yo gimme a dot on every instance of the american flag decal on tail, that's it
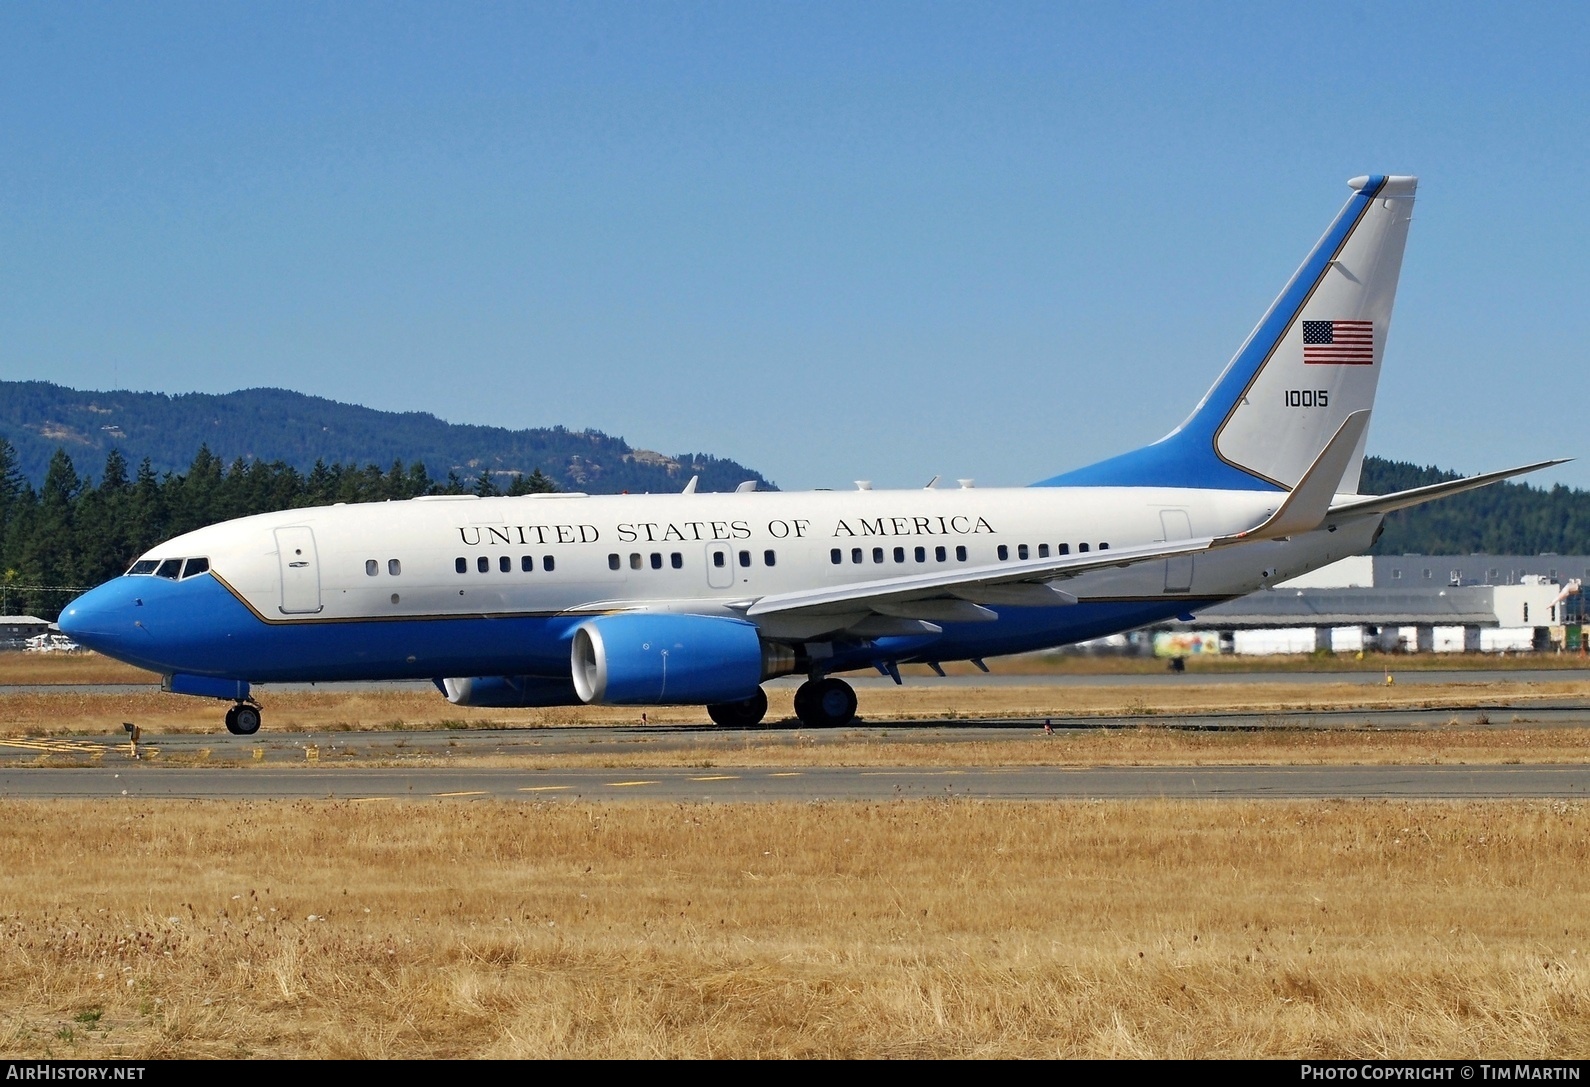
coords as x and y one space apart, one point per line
1339 343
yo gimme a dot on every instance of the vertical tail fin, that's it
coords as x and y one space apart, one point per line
1312 361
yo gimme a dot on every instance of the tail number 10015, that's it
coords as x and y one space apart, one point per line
1308 398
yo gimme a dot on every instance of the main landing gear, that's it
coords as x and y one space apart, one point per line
243 719
742 714
825 703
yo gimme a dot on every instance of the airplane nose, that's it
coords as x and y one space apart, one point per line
103 618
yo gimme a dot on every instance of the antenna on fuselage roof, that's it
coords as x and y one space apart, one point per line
863 484
690 488
934 482
748 485
967 484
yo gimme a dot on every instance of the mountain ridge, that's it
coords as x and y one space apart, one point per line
268 425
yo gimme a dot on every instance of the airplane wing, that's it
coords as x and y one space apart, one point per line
981 584
1028 582
1387 503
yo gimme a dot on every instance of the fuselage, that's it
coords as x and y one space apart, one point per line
464 586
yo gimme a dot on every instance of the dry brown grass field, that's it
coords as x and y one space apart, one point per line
909 929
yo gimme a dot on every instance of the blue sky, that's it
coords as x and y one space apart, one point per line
835 242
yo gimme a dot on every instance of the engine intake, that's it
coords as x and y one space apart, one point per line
646 658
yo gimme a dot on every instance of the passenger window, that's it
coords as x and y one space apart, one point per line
394 567
613 562
1021 551
1004 552
1081 548
855 554
899 554
769 558
461 565
677 561
960 553
527 563
195 566
745 558
921 554
1062 549
371 567
717 559
1104 547
939 554
483 564
547 564
505 564
634 560
656 560
171 568
1043 551
837 556
877 554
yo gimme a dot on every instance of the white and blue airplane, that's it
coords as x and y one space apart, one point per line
697 599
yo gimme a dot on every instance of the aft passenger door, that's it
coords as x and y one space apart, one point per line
1179 569
300 567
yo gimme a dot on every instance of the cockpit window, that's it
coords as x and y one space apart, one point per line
195 566
171 568
143 567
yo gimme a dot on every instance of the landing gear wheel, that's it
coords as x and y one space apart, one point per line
242 719
741 714
825 703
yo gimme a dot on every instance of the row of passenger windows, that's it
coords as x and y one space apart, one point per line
720 559
1025 552
527 563
859 554
393 567
639 561
168 568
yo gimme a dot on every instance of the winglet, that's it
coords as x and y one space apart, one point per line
1309 503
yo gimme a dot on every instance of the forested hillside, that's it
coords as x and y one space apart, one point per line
73 532
275 425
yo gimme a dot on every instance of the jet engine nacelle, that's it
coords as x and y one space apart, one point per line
509 691
646 658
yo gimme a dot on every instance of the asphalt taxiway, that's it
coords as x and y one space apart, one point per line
811 784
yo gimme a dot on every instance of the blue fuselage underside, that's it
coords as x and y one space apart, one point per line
198 627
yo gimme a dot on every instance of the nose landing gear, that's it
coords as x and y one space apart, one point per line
825 703
243 719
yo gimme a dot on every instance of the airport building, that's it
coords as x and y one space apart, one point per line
1409 603
17 630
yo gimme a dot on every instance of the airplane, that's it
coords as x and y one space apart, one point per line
698 599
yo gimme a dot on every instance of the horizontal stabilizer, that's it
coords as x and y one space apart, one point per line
1401 500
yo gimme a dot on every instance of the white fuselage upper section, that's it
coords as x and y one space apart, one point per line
544 554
